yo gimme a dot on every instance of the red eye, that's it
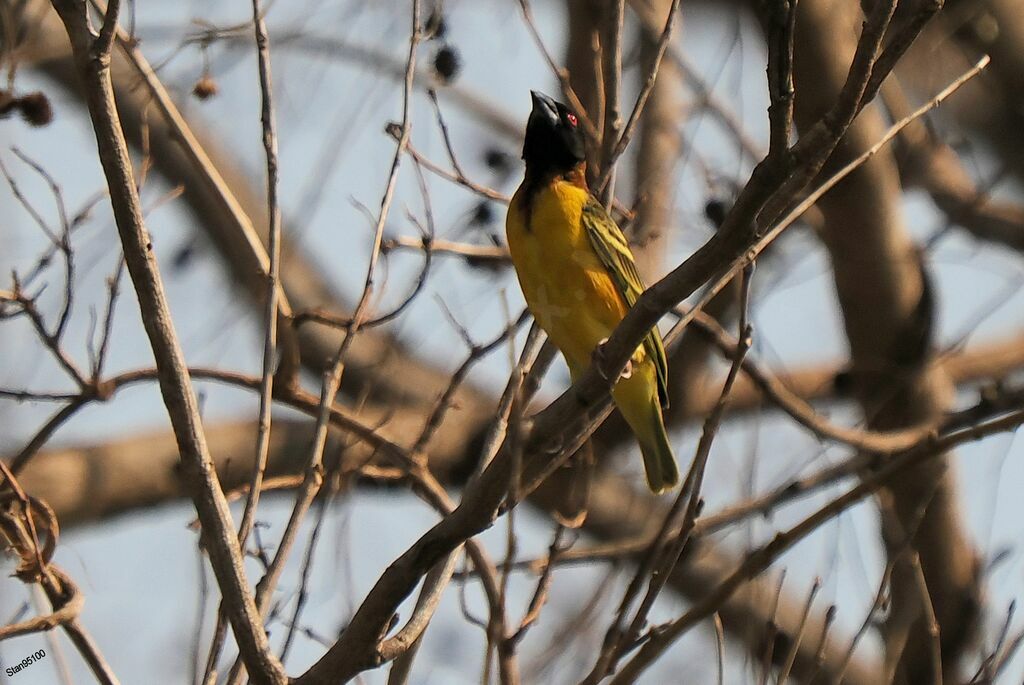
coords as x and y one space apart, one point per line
571 118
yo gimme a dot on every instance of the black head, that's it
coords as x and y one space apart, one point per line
554 142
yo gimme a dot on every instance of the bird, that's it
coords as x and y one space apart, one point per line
579 277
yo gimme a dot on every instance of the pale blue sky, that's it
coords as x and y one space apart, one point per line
139 573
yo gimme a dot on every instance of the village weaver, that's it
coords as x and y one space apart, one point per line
579 278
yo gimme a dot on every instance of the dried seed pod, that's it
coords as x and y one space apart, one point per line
35 109
205 88
447 63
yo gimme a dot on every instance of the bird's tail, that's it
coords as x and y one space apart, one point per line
659 462
637 399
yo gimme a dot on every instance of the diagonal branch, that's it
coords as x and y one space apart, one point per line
560 429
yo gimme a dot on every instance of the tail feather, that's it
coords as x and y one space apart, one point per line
637 399
659 462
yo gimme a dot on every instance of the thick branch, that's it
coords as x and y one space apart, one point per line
888 309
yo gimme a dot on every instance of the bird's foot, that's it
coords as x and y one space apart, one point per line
598 360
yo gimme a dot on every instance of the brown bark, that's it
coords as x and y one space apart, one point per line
981 364
927 162
658 152
583 62
990 107
93 484
887 308
995 27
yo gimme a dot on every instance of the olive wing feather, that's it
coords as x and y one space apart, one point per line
613 251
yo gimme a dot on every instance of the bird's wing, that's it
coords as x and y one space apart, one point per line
613 251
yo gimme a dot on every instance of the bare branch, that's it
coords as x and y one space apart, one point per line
225 554
762 557
645 91
273 279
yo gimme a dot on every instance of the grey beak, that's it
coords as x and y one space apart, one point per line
544 107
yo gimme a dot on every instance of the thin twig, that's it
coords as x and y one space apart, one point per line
273 278
787 664
444 403
611 54
332 377
474 253
270 310
90 651
1008 653
663 554
819 656
720 647
307 565
984 673
63 245
456 177
50 340
760 558
782 22
645 91
46 432
931 622
445 135
803 413
540 592
771 632
113 290
589 127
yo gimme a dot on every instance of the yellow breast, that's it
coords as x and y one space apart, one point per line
564 282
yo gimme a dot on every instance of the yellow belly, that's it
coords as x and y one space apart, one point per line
566 286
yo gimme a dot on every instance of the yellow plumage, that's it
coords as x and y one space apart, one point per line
566 287
578 303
